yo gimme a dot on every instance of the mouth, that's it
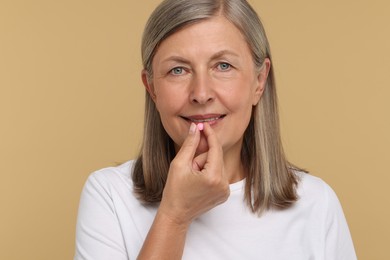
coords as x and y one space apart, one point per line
210 119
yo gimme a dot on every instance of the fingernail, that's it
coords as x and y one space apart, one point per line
192 128
200 126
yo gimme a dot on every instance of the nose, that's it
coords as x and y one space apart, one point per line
201 89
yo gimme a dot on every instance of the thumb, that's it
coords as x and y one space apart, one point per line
188 148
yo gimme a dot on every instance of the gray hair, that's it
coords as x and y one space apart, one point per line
270 177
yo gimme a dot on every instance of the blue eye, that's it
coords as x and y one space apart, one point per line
224 66
177 71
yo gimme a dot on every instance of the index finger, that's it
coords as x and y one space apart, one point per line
188 148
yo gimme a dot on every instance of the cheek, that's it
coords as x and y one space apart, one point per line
167 103
240 100
242 109
170 97
169 108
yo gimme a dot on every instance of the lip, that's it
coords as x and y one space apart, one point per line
211 119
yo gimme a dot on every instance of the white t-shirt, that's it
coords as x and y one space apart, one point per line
112 224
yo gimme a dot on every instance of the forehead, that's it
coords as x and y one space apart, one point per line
210 35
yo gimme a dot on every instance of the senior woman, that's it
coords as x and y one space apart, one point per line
211 181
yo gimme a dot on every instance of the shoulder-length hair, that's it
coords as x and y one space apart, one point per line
270 180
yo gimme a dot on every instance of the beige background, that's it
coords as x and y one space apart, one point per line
71 101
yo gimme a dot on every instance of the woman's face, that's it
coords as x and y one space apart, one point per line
205 73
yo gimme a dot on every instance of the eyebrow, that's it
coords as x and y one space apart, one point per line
223 53
176 59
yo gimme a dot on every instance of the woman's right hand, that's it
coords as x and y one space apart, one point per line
195 184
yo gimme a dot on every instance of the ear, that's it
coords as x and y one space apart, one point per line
262 75
148 84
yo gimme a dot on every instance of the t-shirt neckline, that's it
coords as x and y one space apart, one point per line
237 185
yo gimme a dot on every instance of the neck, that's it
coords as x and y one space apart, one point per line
233 166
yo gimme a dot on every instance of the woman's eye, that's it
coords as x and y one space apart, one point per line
224 66
177 71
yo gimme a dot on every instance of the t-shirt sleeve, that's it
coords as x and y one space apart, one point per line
98 233
338 241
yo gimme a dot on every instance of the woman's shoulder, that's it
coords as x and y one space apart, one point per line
113 176
314 189
310 183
